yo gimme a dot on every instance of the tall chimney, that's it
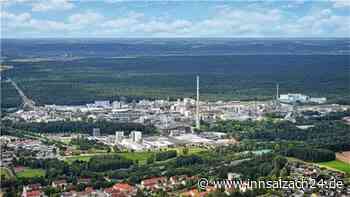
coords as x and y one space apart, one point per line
277 94
197 106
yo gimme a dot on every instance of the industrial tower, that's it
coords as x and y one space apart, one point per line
277 93
277 103
197 106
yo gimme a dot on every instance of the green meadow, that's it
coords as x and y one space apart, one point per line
30 173
338 165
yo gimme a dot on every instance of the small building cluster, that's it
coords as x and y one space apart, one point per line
293 98
11 147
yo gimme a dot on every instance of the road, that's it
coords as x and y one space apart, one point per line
26 101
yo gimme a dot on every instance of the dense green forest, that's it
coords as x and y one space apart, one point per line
161 156
245 77
333 135
106 127
9 96
310 154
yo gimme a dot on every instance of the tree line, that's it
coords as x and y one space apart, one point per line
161 156
106 127
309 154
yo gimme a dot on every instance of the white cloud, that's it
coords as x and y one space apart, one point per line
229 21
176 26
128 21
10 21
86 18
340 3
223 21
46 5
48 25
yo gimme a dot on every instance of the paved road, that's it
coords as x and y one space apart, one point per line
26 101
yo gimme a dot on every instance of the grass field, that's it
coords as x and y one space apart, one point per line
5 172
139 156
338 165
193 150
71 159
29 173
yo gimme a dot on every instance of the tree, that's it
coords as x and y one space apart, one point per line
185 151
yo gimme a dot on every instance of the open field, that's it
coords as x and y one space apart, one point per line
135 156
338 165
139 156
29 173
5 172
344 156
192 150
84 157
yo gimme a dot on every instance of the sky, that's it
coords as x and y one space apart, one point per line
124 19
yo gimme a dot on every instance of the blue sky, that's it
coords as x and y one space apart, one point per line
118 18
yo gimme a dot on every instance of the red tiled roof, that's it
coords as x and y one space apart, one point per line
33 193
153 181
123 187
35 186
119 195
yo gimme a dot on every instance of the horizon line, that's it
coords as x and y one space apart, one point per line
275 37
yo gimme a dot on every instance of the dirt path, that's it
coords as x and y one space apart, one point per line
344 156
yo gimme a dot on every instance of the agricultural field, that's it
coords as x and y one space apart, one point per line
338 165
344 156
30 173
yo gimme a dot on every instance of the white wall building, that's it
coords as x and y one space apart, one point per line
116 105
318 100
104 104
290 98
136 136
119 136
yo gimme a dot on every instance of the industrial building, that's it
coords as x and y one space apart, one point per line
294 98
136 136
119 136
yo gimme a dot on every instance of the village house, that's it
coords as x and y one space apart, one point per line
155 183
61 184
33 190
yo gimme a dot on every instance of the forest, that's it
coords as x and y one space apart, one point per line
331 134
226 77
161 156
106 127
310 154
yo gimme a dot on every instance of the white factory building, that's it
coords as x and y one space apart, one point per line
119 136
292 98
136 136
